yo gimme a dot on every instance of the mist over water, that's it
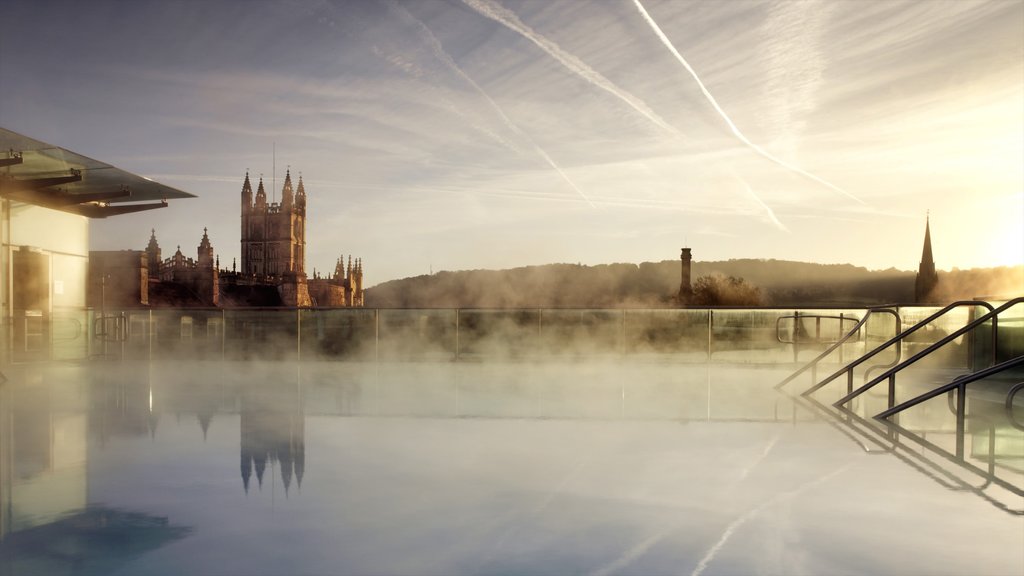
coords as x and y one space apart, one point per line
584 461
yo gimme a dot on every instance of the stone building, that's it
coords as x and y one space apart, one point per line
342 289
274 240
273 243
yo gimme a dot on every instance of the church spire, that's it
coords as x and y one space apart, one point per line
926 253
927 278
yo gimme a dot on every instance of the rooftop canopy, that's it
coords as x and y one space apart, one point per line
35 172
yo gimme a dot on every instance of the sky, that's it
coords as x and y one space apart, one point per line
466 134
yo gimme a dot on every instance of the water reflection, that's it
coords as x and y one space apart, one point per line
48 523
469 467
275 433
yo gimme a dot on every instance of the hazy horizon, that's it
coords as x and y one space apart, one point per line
494 134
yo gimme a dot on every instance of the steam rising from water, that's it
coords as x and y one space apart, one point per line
428 37
736 131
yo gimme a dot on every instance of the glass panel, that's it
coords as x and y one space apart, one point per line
49 229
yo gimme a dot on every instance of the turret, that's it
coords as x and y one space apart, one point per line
153 259
261 197
339 268
287 196
357 286
246 194
300 197
205 258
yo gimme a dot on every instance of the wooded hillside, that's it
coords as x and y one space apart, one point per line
654 284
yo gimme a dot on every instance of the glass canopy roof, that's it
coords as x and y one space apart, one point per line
35 172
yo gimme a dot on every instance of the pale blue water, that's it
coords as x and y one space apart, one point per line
502 468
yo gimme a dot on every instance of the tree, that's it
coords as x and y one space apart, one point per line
719 290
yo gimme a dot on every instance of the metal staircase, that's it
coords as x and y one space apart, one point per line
981 422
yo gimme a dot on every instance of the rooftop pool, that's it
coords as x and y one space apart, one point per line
603 466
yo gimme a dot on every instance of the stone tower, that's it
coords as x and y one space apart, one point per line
927 278
274 235
153 259
685 287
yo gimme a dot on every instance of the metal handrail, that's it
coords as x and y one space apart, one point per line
817 339
856 329
898 338
958 383
993 315
1009 405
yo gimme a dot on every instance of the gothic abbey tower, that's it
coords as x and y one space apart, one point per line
274 235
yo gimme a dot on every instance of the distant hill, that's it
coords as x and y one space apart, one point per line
653 284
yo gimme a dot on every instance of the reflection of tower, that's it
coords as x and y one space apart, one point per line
685 288
927 278
269 434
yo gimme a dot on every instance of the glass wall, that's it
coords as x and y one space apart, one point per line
44 256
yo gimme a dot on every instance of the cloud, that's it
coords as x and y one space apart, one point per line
736 131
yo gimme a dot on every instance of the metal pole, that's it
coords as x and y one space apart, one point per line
457 322
961 406
796 334
842 331
103 313
711 326
623 331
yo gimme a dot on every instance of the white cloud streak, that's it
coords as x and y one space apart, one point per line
714 103
439 52
767 209
503 16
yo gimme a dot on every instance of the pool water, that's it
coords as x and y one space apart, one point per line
474 468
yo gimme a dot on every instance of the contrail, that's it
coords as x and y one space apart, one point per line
746 471
435 45
414 71
736 131
771 213
503 16
736 524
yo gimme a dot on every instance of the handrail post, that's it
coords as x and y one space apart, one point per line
842 325
457 334
711 329
796 334
892 390
623 331
961 406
